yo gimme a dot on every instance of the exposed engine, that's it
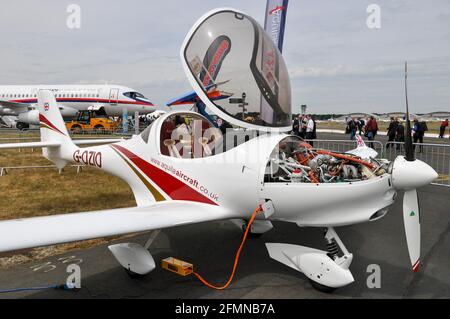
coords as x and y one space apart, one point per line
295 161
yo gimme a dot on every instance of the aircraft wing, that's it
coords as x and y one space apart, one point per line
43 231
192 97
13 104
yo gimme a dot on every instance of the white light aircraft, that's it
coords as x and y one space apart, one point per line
181 173
21 100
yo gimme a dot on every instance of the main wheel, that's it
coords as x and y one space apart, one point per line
22 126
321 288
133 275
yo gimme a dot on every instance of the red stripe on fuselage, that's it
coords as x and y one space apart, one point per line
172 186
44 120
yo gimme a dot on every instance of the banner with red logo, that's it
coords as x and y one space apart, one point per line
276 20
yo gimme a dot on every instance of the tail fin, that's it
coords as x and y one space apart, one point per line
53 129
362 150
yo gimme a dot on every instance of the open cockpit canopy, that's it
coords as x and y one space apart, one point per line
228 51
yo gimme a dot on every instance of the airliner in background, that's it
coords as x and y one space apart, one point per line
21 101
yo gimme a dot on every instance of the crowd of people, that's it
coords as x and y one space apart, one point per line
304 126
368 128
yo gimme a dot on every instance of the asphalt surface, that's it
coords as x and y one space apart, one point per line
211 247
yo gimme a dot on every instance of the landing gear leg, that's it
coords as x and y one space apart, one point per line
335 246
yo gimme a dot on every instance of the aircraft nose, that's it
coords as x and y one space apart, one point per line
408 175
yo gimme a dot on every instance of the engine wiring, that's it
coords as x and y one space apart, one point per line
299 162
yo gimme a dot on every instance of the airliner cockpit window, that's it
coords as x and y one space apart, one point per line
134 95
229 53
187 135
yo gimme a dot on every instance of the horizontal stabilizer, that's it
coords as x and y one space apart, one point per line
56 144
96 142
30 145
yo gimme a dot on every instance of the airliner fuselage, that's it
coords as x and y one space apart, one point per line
21 100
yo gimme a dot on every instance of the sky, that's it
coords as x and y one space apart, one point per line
337 64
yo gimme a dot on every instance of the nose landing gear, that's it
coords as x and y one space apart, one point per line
326 271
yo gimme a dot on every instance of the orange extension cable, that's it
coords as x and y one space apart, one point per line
236 259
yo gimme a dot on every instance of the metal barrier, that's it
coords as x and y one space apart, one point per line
435 155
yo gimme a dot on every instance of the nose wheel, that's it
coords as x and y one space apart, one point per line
133 275
321 288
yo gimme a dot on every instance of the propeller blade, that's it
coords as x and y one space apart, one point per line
409 150
411 219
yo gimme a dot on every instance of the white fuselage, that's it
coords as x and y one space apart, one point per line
72 98
235 179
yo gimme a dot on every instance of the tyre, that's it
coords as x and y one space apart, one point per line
133 275
22 126
321 288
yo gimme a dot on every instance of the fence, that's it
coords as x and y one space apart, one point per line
4 170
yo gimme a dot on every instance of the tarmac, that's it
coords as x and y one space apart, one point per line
211 248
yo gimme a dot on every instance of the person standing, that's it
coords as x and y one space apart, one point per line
303 122
371 130
418 133
361 125
310 129
352 127
315 127
296 126
391 132
400 135
444 126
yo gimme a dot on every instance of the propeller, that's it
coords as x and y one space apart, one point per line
408 174
409 149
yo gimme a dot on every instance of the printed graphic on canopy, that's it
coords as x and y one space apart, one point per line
232 50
